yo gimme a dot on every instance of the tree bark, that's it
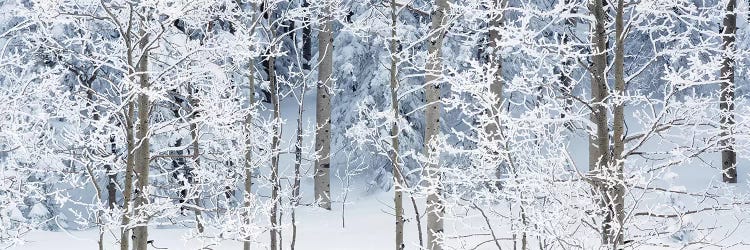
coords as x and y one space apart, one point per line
275 153
297 165
614 219
496 62
307 57
249 145
249 151
196 161
726 102
496 86
111 177
433 71
398 181
127 192
306 40
565 79
599 154
599 143
323 112
142 155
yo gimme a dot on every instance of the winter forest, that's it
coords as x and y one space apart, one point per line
374 124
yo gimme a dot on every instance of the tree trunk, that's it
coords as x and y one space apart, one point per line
275 153
323 113
565 79
496 86
726 102
297 165
433 71
307 57
196 161
112 177
599 144
613 223
142 156
127 193
249 152
92 113
398 180
306 40
249 145
496 62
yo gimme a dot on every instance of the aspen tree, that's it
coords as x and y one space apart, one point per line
615 197
496 86
248 168
433 70
398 181
599 143
307 59
323 111
142 154
249 150
127 192
275 185
726 102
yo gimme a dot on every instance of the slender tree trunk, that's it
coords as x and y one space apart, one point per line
306 40
112 177
323 112
297 165
496 62
249 143
615 217
496 86
98 218
249 152
565 79
94 115
726 103
398 181
127 192
599 148
196 162
275 153
142 156
307 57
433 70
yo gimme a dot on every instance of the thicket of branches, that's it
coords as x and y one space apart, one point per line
532 124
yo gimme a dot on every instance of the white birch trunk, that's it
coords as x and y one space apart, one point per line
142 155
398 181
275 153
323 113
615 177
432 175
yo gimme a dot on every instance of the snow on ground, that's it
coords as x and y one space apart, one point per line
367 227
369 221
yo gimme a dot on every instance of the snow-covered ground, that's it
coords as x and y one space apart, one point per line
367 227
367 220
